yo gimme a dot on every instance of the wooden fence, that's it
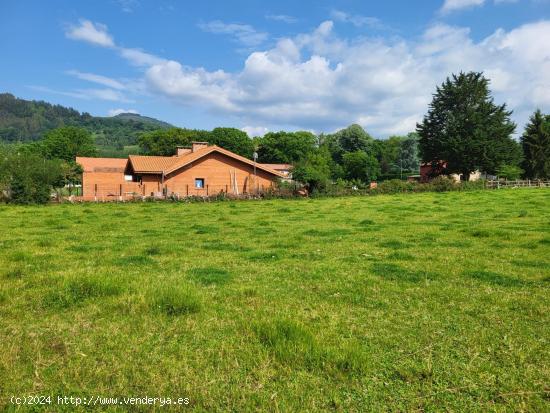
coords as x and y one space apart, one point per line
517 184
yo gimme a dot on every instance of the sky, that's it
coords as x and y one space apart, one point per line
265 66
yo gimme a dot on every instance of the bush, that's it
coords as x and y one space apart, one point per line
443 184
395 186
472 185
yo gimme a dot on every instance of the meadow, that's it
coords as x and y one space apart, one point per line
414 302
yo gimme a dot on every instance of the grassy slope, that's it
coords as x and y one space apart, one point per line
414 302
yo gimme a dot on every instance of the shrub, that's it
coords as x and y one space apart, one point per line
443 184
174 300
472 185
395 186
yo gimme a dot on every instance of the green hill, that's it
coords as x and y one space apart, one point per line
27 120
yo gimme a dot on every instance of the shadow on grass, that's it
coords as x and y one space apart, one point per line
489 277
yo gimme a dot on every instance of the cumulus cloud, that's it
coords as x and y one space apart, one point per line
242 33
114 112
320 81
94 33
253 131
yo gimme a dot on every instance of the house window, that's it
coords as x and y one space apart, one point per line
128 178
199 183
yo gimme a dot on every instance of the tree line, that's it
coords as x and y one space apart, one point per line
463 129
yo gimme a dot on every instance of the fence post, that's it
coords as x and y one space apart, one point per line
206 189
187 189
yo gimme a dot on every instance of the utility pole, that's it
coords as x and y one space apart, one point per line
255 156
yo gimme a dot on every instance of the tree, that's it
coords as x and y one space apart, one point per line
509 172
313 171
535 143
387 152
234 140
361 166
67 143
164 142
30 178
286 147
466 129
408 155
351 139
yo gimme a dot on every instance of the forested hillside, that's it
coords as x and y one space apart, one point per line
24 121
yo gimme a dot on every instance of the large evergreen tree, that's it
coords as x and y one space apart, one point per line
466 129
536 146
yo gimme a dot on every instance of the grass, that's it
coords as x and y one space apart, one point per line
418 302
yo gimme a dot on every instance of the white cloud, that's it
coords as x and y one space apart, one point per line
320 81
103 94
94 33
127 6
454 5
357 20
87 94
138 57
97 33
282 18
253 131
102 80
243 33
114 112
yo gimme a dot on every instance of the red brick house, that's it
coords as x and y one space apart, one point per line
200 170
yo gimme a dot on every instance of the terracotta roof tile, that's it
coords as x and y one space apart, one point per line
151 164
102 164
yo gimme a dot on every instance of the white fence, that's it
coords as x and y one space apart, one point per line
517 184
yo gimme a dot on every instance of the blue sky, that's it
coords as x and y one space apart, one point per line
258 65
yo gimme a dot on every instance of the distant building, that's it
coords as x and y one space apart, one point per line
200 170
430 170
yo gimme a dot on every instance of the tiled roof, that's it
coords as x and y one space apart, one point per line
167 164
102 164
151 164
277 166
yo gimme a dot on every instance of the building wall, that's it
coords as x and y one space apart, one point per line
106 182
216 169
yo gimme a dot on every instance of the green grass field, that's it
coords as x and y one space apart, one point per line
421 302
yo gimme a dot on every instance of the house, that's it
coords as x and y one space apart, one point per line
283 168
429 170
200 170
